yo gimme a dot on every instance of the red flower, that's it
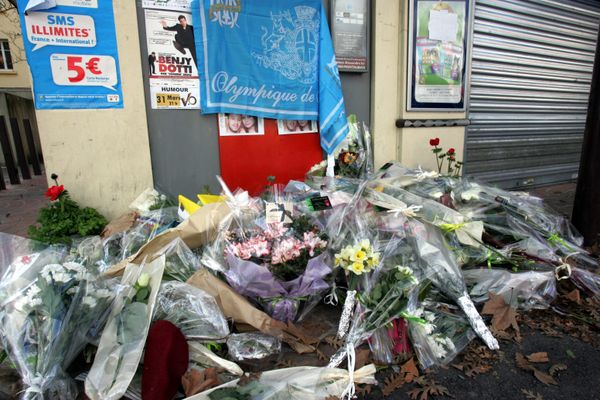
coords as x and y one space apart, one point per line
451 151
434 142
54 192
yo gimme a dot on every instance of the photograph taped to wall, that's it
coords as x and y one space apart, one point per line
174 94
296 127
241 125
175 5
438 44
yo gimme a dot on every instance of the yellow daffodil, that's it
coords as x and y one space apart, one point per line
365 244
359 256
357 267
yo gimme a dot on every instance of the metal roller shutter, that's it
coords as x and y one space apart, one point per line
532 64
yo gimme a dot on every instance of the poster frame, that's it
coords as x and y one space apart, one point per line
411 103
367 31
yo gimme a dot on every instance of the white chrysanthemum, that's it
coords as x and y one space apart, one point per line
73 266
429 317
89 301
429 328
35 302
436 194
53 268
405 270
72 290
61 277
365 244
471 194
450 344
21 303
33 291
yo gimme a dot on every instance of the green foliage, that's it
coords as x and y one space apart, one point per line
63 218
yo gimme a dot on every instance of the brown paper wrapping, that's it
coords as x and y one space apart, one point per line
120 224
200 228
240 310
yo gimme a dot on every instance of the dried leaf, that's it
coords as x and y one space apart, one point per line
334 341
362 357
503 315
544 377
541 357
332 398
556 368
195 381
531 396
574 296
523 363
428 387
321 356
391 383
364 390
410 370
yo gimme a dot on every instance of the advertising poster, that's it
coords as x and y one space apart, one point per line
439 33
350 34
71 49
175 5
174 80
295 127
240 125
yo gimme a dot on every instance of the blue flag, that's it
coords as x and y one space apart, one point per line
272 59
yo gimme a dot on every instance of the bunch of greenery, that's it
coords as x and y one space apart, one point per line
63 218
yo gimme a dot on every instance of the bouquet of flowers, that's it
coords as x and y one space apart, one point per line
47 315
122 342
192 310
272 256
443 335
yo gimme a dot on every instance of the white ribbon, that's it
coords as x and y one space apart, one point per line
350 390
477 323
410 211
330 165
346 314
34 385
332 299
422 175
563 267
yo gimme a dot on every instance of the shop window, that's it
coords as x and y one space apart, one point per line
5 58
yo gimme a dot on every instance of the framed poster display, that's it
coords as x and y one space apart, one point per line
350 34
439 50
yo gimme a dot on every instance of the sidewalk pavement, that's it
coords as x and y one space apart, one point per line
20 204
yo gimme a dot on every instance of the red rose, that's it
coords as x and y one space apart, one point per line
54 192
451 150
434 142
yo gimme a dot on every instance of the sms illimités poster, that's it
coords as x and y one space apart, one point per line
71 49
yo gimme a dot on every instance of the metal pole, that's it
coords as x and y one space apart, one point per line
586 209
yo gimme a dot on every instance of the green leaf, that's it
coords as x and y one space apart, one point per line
142 295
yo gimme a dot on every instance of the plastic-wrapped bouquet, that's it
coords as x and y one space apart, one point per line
280 262
47 320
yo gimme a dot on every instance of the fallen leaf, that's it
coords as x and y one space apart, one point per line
523 363
541 357
556 368
195 381
574 295
544 377
391 383
362 357
364 390
503 315
428 387
410 370
531 396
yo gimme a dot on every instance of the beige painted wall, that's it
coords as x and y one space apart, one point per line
10 30
103 156
410 146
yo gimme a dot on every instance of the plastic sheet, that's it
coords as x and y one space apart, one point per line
246 346
180 262
300 383
122 342
48 313
522 290
280 263
192 310
442 337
